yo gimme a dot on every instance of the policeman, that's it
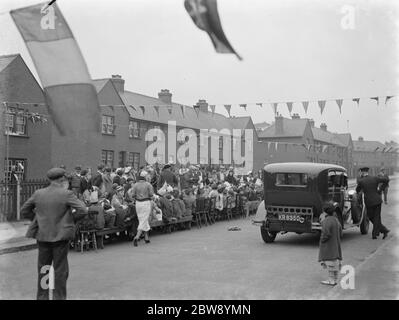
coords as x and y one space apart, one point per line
53 226
369 186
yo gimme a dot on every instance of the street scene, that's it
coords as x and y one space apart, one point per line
199 150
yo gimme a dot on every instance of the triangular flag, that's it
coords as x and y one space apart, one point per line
170 108
305 105
228 108
183 111
196 108
357 100
274 106
213 107
243 106
387 99
157 109
142 109
289 105
339 103
376 99
260 104
322 104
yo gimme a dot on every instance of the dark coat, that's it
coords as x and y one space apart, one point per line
97 180
369 186
50 210
330 239
169 177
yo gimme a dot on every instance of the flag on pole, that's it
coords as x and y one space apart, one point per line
274 106
322 104
260 104
228 108
213 107
62 70
196 108
289 105
183 111
157 109
243 106
376 99
387 99
305 105
339 103
205 16
142 109
357 100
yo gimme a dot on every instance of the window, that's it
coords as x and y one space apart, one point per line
107 125
107 158
134 160
134 129
14 166
15 123
291 179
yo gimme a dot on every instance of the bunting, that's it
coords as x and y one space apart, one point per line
196 108
322 104
387 99
213 107
305 105
142 109
183 111
376 99
228 108
157 109
289 105
274 106
243 106
357 100
260 104
133 107
339 103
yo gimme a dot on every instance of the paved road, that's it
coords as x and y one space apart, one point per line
214 263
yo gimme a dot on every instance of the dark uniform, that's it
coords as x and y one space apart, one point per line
53 226
372 198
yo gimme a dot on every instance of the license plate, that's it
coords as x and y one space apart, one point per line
291 217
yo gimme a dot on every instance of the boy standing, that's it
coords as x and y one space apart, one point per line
330 254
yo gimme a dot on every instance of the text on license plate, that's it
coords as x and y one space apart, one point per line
291 217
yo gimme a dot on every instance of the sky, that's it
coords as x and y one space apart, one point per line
293 50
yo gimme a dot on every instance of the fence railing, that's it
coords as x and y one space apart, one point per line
9 196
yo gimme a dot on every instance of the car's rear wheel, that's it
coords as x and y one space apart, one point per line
364 226
267 235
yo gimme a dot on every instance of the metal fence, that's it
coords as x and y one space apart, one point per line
14 194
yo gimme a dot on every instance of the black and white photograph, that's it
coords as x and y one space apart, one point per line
213 151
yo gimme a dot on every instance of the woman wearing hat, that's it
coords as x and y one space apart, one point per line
142 192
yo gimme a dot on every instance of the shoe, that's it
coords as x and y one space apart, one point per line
147 241
385 234
328 283
135 242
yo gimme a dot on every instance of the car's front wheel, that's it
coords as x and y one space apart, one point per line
267 235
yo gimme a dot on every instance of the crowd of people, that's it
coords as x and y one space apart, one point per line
169 192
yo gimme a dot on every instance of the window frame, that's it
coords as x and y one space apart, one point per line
108 125
15 114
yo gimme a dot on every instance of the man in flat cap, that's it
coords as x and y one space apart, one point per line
369 186
53 226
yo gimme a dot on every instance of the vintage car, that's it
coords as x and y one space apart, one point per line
294 195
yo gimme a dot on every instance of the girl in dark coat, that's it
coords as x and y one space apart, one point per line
330 254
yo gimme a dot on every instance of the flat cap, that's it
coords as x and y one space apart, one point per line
56 173
364 169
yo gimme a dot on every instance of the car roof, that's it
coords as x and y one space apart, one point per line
301 167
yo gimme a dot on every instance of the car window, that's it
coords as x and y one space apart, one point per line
291 179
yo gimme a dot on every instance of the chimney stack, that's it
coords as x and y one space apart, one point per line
279 124
361 139
323 127
165 96
118 82
203 105
311 122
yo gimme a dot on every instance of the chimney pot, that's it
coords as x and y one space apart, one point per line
165 96
118 82
323 127
203 105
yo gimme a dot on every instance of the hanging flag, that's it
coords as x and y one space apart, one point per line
260 104
339 103
322 104
324 148
157 109
243 106
274 106
228 108
205 16
376 99
142 109
387 99
183 111
62 70
169 107
289 105
305 105
268 145
357 100
276 145
213 107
